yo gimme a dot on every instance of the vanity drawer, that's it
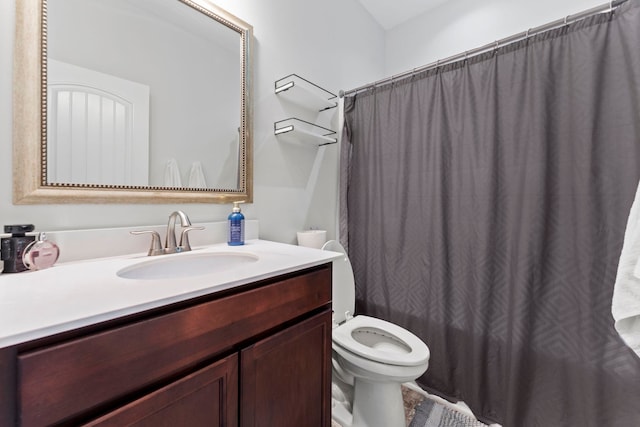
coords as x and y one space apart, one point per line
63 381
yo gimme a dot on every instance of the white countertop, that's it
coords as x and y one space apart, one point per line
36 304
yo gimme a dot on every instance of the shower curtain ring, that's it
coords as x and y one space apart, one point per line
566 20
527 34
610 5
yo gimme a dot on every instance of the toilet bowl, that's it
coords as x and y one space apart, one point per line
371 358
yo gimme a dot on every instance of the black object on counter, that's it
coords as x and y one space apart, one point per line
11 248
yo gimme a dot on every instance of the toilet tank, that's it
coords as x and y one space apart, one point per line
344 290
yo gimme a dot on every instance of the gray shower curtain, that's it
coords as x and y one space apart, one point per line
485 204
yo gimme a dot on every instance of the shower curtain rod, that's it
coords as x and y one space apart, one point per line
491 46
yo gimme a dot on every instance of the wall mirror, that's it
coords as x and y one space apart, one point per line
131 101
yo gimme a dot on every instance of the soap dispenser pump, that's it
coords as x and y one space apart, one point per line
236 226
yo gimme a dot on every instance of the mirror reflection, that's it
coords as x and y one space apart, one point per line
142 93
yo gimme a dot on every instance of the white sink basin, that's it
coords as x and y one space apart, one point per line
186 265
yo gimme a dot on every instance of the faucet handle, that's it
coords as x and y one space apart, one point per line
156 246
184 237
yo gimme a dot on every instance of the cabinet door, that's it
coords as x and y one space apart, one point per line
208 397
286 378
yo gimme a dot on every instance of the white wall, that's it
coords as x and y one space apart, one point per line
333 42
460 25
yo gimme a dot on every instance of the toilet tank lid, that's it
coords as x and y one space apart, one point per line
344 292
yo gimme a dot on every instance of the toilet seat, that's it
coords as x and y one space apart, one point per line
398 347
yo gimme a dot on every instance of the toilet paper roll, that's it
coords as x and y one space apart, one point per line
312 238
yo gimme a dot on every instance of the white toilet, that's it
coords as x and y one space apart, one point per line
371 358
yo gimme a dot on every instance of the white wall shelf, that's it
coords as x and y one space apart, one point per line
305 93
303 132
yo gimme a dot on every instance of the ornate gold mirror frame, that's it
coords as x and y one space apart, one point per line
30 184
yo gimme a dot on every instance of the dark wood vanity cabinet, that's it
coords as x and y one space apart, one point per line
259 355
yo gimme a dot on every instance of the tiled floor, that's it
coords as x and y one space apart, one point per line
411 400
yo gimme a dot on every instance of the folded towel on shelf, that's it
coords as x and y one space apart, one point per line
626 292
172 174
196 176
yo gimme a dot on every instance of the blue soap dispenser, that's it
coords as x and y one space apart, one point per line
236 226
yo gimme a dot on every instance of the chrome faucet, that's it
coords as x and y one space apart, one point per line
170 245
